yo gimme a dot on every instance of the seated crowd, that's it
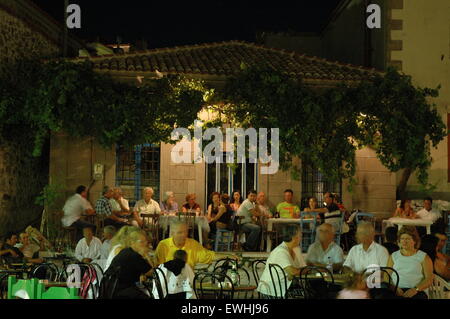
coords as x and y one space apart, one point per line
125 249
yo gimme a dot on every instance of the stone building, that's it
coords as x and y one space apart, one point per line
415 38
25 32
72 161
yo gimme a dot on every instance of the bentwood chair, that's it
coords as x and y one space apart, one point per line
108 284
190 220
258 266
380 274
151 224
209 285
47 271
160 282
223 267
280 284
313 282
89 281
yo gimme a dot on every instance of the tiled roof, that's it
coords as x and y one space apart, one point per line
226 58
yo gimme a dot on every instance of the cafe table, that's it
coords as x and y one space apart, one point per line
215 287
339 279
408 222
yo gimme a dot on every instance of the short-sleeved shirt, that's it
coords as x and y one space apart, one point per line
358 259
30 250
74 207
280 256
432 215
333 254
244 210
197 254
409 268
142 207
103 206
92 251
285 209
132 266
115 206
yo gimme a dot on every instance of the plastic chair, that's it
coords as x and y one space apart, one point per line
28 285
338 229
56 293
224 240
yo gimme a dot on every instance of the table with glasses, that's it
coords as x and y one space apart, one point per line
201 221
408 222
225 287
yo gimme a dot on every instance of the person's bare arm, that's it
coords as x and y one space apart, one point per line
222 210
292 272
427 268
208 216
390 264
89 212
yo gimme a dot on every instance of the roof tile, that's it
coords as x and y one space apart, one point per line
225 58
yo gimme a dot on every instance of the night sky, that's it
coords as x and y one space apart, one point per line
169 23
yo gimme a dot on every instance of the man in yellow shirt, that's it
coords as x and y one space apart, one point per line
288 209
197 254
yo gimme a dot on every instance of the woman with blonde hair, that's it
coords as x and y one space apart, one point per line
120 241
414 267
132 265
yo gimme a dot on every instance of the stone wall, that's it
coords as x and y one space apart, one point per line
18 41
22 177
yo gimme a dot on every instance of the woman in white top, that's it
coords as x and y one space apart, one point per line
414 267
288 256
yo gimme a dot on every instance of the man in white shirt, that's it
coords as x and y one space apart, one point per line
427 212
119 204
248 211
289 257
108 233
324 250
89 248
367 252
145 206
76 206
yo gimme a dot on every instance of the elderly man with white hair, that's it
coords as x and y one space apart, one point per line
145 206
324 250
367 252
